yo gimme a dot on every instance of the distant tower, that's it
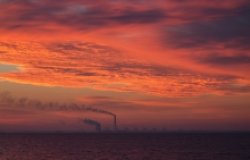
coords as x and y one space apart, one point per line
115 123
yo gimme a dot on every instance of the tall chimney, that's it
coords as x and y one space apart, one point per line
115 123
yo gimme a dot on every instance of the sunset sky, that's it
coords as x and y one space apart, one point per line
164 64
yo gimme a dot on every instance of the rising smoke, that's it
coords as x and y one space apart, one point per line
6 99
91 122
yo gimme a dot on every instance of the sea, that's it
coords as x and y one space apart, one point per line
125 146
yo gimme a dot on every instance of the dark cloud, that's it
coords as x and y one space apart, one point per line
227 60
231 29
81 48
144 69
65 46
68 70
147 16
38 14
233 88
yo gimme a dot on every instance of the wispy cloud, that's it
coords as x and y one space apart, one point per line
76 64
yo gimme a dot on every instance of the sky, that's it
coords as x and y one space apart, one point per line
175 65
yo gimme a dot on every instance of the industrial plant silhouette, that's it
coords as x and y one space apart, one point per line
7 99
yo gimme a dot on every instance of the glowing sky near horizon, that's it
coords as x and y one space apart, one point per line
173 64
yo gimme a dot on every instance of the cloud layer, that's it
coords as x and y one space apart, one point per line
154 58
77 64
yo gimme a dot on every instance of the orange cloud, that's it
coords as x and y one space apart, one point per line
76 64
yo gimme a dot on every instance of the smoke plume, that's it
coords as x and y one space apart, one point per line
7 100
93 123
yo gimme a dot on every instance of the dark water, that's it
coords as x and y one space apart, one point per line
124 146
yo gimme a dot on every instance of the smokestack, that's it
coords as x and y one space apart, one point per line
115 123
93 123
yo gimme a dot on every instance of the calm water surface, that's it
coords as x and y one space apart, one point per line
124 146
